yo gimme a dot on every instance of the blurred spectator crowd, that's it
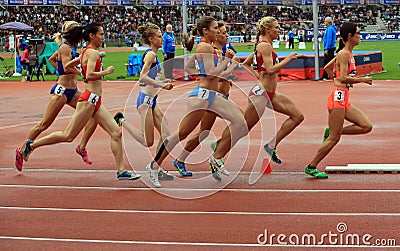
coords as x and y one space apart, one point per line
123 21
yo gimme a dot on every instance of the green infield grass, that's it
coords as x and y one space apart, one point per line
390 54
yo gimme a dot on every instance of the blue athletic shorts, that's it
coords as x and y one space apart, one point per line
146 99
61 90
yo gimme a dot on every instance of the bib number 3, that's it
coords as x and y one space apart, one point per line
93 99
339 95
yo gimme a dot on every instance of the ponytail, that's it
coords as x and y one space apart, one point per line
341 45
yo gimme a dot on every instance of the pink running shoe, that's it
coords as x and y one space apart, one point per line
18 159
85 156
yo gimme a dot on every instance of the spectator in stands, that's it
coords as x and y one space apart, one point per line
25 62
329 43
291 39
6 46
23 46
168 46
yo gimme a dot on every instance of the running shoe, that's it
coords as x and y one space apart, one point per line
119 118
217 166
126 175
213 145
153 175
181 168
28 150
273 153
84 154
18 159
164 175
315 172
326 134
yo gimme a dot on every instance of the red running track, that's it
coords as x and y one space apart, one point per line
58 202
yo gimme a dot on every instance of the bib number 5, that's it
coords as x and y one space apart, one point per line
59 90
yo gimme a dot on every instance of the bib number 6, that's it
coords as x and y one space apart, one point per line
93 99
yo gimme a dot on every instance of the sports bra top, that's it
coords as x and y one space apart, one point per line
60 67
96 68
258 62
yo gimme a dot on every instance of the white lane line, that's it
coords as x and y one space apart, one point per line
179 189
175 212
207 244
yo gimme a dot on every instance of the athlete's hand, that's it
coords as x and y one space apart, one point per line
368 80
293 56
229 53
168 86
110 70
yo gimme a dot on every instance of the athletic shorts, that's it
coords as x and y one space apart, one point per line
339 98
61 90
147 100
203 93
91 98
256 90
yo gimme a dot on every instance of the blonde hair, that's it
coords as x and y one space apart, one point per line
264 22
68 25
148 31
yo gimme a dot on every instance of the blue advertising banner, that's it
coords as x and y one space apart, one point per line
109 2
15 2
390 1
334 2
380 36
257 2
90 2
234 2
52 2
125 2
198 3
70 2
35 2
351 1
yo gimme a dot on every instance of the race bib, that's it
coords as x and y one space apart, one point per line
93 99
203 93
59 90
148 100
339 95
257 90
